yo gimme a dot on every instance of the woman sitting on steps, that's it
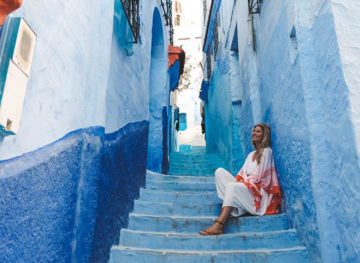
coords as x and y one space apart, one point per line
255 189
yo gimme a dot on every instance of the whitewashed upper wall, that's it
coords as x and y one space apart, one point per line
347 24
80 76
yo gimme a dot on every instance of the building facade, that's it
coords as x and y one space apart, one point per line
292 65
94 118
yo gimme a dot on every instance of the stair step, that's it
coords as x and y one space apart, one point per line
199 163
195 160
193 154
136 255
194 169
209 174
187 197
179 241
175 185
183 224
171 209
151 176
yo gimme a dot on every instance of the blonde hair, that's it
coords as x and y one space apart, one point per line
266 141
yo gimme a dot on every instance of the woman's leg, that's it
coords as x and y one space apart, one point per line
222 178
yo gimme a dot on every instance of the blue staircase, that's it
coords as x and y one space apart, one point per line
173 208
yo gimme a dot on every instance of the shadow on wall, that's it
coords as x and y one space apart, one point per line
68 200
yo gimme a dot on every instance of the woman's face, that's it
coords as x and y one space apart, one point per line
257 135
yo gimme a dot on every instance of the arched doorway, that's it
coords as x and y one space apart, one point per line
157 95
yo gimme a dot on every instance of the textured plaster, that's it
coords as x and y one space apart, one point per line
301 81
67 201
347 25
82 75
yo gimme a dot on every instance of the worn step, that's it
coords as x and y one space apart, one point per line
195 157
173 209
178 185
196 166
197 163
196 160
136 255
179 241
185 197
192 170
209 173
151 176
183 224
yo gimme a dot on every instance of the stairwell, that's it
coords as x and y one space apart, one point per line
173 208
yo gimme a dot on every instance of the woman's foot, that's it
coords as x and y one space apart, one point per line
216 229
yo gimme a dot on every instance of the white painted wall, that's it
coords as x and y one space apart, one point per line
188 37
80 75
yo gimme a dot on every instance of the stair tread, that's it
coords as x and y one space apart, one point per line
204 217
224 236
174 207
210 252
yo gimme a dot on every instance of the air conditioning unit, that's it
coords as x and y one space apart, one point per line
17 44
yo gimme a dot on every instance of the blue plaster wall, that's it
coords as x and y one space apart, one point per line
158 95
68 200
123 165
287 117
307 126
294 81
174 75
165 140
219 113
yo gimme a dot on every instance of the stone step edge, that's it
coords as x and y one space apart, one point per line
176 205
201 252
172 217
239 234
187 192
167 177
196 217
149 174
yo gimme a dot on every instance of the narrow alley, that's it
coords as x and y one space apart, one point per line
116 115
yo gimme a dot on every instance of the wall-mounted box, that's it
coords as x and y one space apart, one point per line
17 44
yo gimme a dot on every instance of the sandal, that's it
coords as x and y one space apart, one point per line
208 232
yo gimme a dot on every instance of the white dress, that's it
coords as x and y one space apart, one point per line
236 194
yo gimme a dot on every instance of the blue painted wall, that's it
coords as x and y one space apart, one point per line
289 133
219 113
158 95
294 81
174 75
68 200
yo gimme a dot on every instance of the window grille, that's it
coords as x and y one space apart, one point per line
208 64
254 6
131 8
168 17
216 35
